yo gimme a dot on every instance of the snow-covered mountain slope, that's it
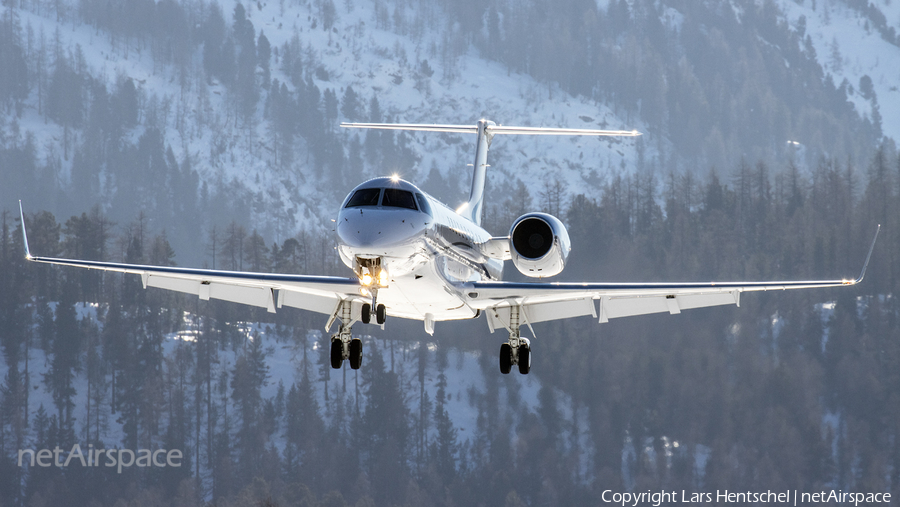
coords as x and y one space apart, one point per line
379 49
849 46
198 123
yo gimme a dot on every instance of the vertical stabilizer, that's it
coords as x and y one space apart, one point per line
473 209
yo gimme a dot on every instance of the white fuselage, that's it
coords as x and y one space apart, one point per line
424 246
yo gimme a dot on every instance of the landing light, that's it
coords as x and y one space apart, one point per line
366 279
382 277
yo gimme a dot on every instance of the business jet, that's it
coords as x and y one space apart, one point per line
415 258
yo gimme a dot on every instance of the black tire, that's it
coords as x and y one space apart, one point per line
524 359
355 353
505 358
366 316
380 314
337 354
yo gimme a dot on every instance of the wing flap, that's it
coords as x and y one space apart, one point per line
615 307
498 316
312 302
262 297
317 297
175 284
690 301
543 312
252 296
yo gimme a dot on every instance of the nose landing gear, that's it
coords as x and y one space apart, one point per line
366 315
373 277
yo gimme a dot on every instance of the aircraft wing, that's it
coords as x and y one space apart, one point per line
266 290
541 302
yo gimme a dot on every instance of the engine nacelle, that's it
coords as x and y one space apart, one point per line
539 245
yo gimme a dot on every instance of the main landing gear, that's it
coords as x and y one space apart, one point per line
343 344
517 350
354 353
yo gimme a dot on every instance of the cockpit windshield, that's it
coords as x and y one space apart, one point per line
364 197
423 204
396 198
390 198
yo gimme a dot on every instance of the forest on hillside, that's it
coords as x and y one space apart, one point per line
766 396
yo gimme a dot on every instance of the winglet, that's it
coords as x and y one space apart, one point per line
862 274
24 234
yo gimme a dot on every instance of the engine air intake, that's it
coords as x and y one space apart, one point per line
532 238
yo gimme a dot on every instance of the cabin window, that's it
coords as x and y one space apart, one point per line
364 197
396 198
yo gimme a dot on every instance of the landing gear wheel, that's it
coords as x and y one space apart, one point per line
337 354
524 359
355 353
380 314
505 358
366 316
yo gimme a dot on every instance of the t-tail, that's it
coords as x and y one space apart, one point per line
486 130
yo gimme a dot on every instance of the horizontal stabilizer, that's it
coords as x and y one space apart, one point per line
493 129
547 131
461 129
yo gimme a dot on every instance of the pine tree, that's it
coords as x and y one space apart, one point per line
64 99
263 56
233 247
249 377
351 106
385 422
256 254
444 447
14 84
304 430
65 348
331 106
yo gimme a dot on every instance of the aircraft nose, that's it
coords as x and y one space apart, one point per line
363 238
376 228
